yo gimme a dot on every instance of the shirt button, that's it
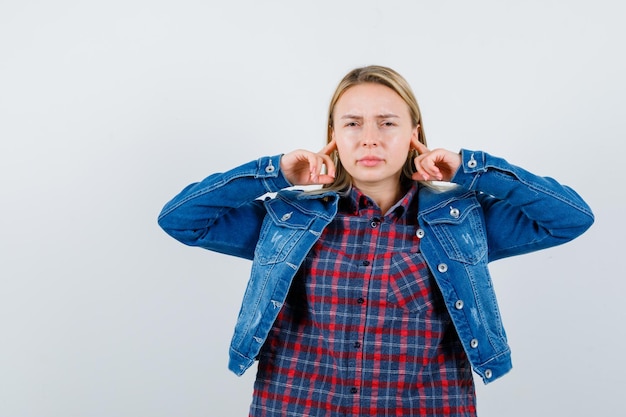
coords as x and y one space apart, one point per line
375 222
459 304
357 345
354 390
442 268
420 233
360 300
365 263
474 343
488 374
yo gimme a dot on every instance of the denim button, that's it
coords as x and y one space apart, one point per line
459 304
286 216
442 268
420 233
488 374
474 343
472 162
454 212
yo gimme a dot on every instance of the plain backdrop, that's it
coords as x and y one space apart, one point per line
109 108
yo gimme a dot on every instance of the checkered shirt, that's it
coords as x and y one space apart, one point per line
364 330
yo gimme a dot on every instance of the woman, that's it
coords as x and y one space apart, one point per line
371 295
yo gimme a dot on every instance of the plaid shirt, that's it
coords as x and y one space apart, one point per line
364 330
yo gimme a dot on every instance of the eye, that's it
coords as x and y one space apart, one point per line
351 124
388 123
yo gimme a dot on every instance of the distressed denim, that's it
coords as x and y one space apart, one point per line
495 210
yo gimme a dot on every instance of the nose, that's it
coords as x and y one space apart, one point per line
370 136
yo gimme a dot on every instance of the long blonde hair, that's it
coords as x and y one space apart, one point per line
389 78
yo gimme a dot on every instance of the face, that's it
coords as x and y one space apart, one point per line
373 132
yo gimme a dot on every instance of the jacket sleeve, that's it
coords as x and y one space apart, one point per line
223 212
523 212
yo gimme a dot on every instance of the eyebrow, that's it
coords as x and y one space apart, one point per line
380 116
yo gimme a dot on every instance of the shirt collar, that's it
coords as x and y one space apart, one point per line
355 203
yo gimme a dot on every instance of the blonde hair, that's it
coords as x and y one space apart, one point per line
389 78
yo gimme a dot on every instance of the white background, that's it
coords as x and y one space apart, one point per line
109 108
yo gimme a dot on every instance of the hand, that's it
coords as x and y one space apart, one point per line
301 167
435 165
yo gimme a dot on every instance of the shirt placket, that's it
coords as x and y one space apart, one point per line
366 300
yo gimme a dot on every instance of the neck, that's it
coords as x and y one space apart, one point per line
384 195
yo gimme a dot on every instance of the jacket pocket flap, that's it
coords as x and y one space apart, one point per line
286 215
453 212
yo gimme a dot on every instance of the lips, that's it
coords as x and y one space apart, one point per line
369 161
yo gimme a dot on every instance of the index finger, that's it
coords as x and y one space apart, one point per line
329 148
419 146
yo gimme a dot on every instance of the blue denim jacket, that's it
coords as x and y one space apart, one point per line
495 210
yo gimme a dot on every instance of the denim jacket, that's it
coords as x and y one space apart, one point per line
495 210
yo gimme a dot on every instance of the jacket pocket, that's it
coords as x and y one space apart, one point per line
459 228
282 228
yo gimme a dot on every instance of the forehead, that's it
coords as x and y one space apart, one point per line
368 98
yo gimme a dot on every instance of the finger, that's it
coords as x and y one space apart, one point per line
329 148
419 146
324 179
429 164
426 167
330 166
328 174
328 161
316 166
432 168
420 176
421 173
